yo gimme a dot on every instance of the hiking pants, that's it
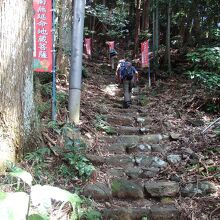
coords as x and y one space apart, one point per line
127 88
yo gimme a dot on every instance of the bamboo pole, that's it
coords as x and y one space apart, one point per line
76 60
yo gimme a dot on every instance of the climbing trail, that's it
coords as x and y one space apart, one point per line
141 154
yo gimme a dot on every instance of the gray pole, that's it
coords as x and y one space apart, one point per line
76 60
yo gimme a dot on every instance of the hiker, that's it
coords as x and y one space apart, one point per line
127 75
112 53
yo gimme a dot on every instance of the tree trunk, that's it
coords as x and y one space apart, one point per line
137 28
196 24
156 37
145 15
168 37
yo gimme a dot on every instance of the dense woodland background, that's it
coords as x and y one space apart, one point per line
179 32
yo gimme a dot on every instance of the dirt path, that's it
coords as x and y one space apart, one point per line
151 160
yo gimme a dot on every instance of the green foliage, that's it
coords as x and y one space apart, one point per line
209 79
20 173
215 34
85 73
206 58
13 206
73 163
102 125
114 20
35 217
212 107
62 99
92 214
144 35
206 66
38 162
43 108
46 90
217 131
74 148
38 155
17 205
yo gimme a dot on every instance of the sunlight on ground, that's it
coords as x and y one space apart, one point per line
111 89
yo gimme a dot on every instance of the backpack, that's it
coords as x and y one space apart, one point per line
113 52
126 71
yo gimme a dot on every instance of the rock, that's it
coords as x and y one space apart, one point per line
188 151
120 160
144 147
143 130
117 214
157 148
126 140
126 213
157 162
204 188
196 122
151 138
174 159
96 160
139 147
108 204
174 136
124 189
140 120
167 200
133 172
150 172
116 148
98 192
133 139
150 161
210 162
140 213
159 212
175 177
127 130
161 188
116 172
119 120
193 161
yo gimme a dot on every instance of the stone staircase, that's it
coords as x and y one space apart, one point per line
132 179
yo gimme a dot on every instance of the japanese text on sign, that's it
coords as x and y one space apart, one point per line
42 35
88 42
144 54
111 44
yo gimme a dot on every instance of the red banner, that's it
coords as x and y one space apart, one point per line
88 42
111 44
42 35
144 54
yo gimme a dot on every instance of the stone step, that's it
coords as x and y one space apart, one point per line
119 120
162 188
127 119
124 189
138 189
125 160
130 130
131 148
154 212
134 139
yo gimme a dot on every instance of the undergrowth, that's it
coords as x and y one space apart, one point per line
205 66
38 202
66 158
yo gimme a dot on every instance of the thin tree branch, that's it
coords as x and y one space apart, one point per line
218 119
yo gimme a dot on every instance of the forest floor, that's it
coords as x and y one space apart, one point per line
152 161
174 107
